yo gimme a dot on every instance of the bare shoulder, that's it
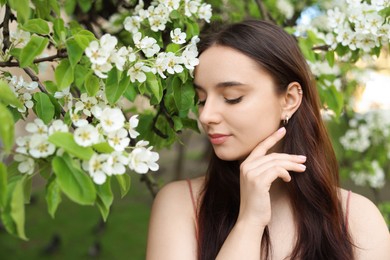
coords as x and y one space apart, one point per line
367 227
172 222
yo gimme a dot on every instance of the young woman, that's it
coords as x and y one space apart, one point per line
271 190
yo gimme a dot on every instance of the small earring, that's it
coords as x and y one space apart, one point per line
300 91
285 121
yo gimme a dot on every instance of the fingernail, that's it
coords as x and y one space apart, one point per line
302 166
282 129
302 157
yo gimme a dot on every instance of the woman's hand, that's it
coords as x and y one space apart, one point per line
258 172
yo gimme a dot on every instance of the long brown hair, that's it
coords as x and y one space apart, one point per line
321 229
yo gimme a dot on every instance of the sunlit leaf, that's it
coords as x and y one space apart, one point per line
66 141
53 195
77 185
7 131
7 96
34 47
105 197
36 25
124 182
43 107
75 52
64 74
3 185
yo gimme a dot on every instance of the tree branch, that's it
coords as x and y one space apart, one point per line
150 184
263 10
35 78
7 17
321 48
60 54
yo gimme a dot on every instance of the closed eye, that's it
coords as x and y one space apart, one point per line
233 101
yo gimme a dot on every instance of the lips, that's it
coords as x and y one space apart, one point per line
218 138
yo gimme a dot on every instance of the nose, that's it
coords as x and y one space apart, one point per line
210 113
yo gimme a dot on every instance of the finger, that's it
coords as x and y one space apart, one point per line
275 164
263 147
257 161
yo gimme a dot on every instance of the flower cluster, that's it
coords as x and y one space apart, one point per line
358 25
147 55
104 54
368 133
111 129
23 91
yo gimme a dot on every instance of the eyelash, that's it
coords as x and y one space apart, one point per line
228 101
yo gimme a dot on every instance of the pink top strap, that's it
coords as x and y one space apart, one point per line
194 206
347 209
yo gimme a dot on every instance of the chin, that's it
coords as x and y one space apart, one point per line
230 156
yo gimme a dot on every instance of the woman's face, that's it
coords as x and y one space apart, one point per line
238 104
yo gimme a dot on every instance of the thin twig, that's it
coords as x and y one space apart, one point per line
7 16
150 184
59 55
263 10
321 48
35 78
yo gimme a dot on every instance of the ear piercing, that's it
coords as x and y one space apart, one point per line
300 91
285 120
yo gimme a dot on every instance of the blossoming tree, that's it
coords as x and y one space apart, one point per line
83 128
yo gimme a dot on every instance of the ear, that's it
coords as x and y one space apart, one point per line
291 100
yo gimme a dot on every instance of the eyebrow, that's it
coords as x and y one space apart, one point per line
225 84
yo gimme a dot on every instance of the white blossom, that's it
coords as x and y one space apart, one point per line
112 119
86 135
118 139
98 168
137 72
142 160
58 126
285 7
37 127
23 144
173 63
132 23
205 12
40 147
117 162
133 123
178 36
26 164
85 104
19 38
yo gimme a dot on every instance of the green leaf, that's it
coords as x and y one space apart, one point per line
85 5
77 185
66 141
184 95
330 58
69 6
124 182
55 7
3 185
53 195
103 148
92 85
50 86
115 92
105 197
7 130
80 74
83 38
154 85
36 25
112 83
59 30
64 74
130 92
75 52
43 107
34 47
22 8
177 123
173 47
306 47
7 96
13 216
